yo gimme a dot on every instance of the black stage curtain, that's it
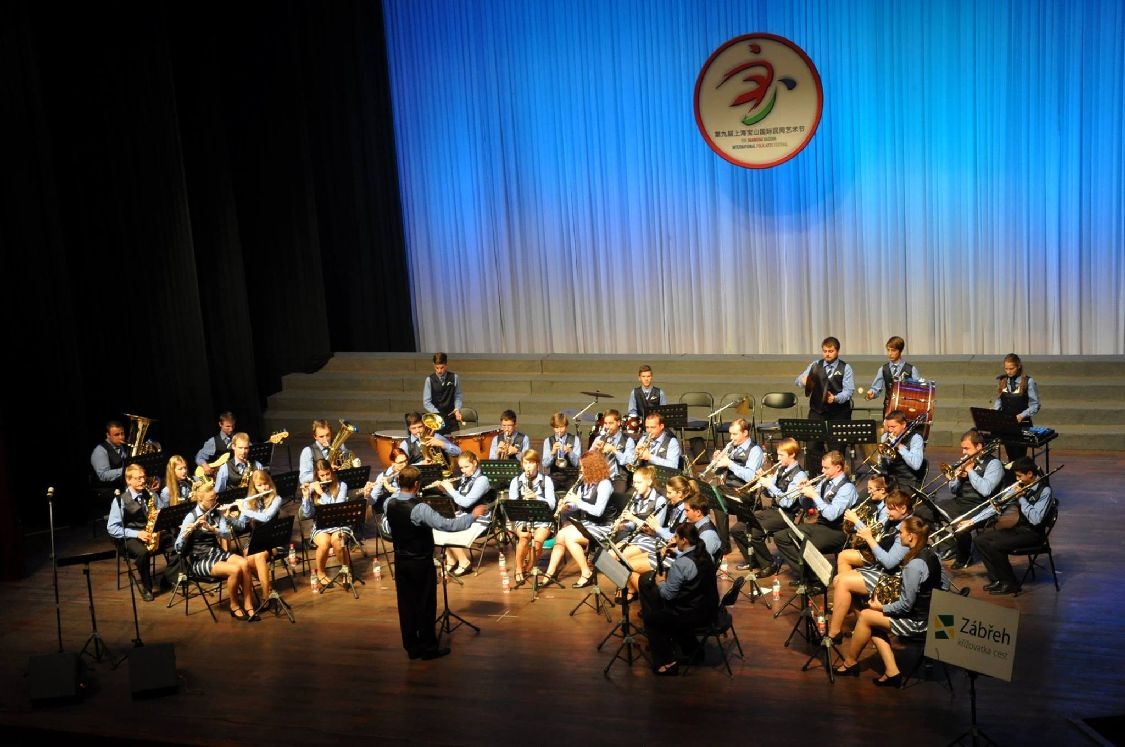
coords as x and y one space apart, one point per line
197 200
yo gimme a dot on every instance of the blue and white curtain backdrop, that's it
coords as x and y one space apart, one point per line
965 189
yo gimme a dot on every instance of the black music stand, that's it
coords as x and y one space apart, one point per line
95 647
347 514
261 454
463 539
617 569
428 474
531 512
803 431
445 506
267 538
154 464
662 474
355 477
170 518
286 484
500 472
675 418
601 603
230 495
852 432
745 513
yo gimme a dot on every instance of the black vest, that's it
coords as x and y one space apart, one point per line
822 384
1017 401
785 476
200 543
966 490
412 542
907 372
134 513
443 396
827 490
218 446
901 471
921 608
645 403
699 597
739 455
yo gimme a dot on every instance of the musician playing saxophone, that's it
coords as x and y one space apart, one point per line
977 479
993 544
128 524
420 439
509 443
906 616
855 578
901 454
237 470
530 485
327 488
467 491
590 495
778 490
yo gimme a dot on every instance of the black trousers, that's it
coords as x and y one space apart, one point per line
825 538
142 558
994 544
666 628
955 507
751 540
416 591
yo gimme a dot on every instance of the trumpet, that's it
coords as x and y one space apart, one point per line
757 481
561 460
795 491
999 502
504 445
644 444
709 472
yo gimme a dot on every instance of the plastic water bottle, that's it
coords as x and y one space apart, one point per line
820 623
503 564
314 581
377 569
505 582
776 589
292 556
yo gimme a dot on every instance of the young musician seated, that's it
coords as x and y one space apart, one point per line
530 485
205 540
687 600
906 616
324 490
472 489
646 552
588 498
260 507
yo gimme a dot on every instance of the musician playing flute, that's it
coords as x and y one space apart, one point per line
590 495
780 490
906 616
993 544
530 485
260 507
470 489
205 542
855 577
977 479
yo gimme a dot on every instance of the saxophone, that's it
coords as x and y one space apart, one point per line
154 537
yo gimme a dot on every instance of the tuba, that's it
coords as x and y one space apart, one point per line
138 427
435 454
339 457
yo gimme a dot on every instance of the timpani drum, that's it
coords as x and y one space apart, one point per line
477 440
384 441
914 398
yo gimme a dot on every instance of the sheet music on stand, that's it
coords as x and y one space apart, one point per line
286 483
443 504
154 464
463 539
675 416
261 453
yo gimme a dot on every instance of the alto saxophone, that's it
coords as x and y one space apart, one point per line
154 537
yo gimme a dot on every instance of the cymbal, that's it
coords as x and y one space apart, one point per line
596 394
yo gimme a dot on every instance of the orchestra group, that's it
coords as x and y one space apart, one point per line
895 530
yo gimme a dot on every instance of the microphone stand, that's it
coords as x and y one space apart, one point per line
54 564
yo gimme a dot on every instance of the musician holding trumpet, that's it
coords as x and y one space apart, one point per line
205 540
656 446
509 443
780 489
974 478
614 445
560 450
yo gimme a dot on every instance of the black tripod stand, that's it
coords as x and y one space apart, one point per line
973 733
618 570
444 619
95 647
270 538
601 603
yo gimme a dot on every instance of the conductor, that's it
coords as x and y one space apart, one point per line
412 523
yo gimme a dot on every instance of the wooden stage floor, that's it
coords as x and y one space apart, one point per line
534 673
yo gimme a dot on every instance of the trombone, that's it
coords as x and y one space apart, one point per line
999 502
949 471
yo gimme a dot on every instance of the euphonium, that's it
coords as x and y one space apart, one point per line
338 456
138 427
435 454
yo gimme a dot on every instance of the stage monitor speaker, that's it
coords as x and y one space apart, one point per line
152 671
55 678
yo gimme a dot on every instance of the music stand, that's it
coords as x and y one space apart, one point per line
614 565
261 454
267 537
812 558
347 514
601 603
531 512
675 416
286 483
500 472
428 474
804 431
100 649
662 474
463 539
170 518
745 513
354 476
852 432
154 464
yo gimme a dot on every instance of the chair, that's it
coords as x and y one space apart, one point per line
699 401
183 583
724 624
1032 552
469 415
743 408
916 644
768 431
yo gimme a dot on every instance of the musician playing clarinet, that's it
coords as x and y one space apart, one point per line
530 485
646 552
1035 504
737 464
589 495
978 478
901 454
646 501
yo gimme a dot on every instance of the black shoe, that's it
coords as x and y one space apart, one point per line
583 582
1000 589
885 681
146 595
434 653
547 579
461 570
992 585
769 570
960 565
852 671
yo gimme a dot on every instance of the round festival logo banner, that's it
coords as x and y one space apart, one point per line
758 100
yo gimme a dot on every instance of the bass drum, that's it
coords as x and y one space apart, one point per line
477 440
914 398
383 441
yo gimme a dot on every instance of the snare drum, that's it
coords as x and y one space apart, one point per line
477 440
384 441
914 398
